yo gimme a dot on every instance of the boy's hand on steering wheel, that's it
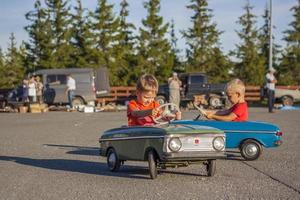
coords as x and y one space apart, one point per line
178 115
155 112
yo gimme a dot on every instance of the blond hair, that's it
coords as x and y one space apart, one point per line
147 82
236 85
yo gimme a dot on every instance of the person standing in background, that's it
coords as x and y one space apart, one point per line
271 81
174 89
71 87
39 90
25 91
32 90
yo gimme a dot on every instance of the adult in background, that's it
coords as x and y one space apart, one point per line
25 91
32 90
71 87
271 81
39 90
174 89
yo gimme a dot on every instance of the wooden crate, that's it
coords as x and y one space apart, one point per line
35 108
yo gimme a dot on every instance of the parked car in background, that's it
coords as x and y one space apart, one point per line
196 84
89 84
286 96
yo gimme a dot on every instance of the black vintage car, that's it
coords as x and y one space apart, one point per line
195 84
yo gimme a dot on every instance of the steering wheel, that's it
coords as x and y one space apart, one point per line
202 114
168 113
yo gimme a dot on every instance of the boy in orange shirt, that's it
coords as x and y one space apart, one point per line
140 112
239 111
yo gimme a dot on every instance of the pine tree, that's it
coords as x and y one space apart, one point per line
264 40
2 69
154 49
39 48
250 65
13 69
203 42
177 65
290 66
83 54
105 30
59 11
123 50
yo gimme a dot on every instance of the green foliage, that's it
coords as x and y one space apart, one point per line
264 43
289 71
250 65
83 54
105 29
12 70
154 49
204 54
123 50
39 47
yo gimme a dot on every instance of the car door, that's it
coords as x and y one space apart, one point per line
55 88
197 85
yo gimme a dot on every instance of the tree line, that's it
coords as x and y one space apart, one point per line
66 36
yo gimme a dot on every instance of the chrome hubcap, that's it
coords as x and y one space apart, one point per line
112 160
251 150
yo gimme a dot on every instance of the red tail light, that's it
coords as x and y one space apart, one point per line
279 133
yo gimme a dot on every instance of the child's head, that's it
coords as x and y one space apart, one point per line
146 89
236 91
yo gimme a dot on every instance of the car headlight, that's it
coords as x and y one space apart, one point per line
218 143
174 144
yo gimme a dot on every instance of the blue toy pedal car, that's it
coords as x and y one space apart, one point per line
250 137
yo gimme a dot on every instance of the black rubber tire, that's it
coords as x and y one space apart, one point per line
77 101
213 102
113 161
152 164
287 101
161 99
247 147
211 167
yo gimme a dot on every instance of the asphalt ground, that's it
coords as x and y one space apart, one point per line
55 156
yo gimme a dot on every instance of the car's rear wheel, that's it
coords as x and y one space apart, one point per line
211 167
215 102
113 161
287 101
152 164
161 99
77 101
251 150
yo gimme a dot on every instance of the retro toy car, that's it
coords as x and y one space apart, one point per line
250 137
163 145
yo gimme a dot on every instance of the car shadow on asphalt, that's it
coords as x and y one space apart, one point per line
77 150
80 166
234 155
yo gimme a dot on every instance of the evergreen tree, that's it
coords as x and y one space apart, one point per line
105 30
250 65
2 69
13 72
123 49
154 49
290 65
203 42
264 40
39 48
83 54
177 66
59 11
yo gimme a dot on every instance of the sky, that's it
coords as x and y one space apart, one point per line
225 15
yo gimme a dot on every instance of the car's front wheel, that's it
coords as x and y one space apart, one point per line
152 164
113 161
251 149
211 167
287 101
